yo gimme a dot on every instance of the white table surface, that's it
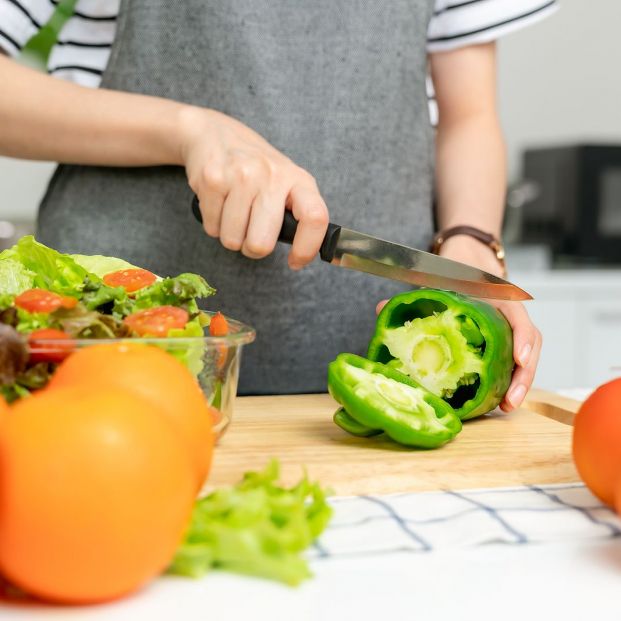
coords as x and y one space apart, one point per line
567 571
549 552
551 581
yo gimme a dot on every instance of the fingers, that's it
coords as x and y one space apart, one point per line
246 211
524 332
266 221
527 343
522 380
211 203
235 216
265 224
244 184
250 219
311 212
379 306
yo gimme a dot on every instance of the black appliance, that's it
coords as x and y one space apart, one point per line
576 208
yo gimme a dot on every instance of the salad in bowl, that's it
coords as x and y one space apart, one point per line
53 303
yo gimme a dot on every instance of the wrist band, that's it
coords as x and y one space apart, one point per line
485 238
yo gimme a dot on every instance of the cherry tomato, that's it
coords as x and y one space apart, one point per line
157 321
68 302
49 352
597 441
218 326
42 301
131 279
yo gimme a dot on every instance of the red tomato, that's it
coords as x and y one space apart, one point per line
597 441
49 352
42 301
157 321
131 279
68 302
219 325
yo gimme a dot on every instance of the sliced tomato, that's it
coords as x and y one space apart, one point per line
218 326
42 301
131 279
40 351
69 302
157 321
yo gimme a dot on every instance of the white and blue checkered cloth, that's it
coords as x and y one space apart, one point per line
423 522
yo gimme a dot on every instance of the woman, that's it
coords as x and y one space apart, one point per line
259 106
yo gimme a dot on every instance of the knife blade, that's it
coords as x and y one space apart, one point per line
364 253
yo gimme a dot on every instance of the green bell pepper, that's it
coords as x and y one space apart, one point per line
352 426
377 397
460 349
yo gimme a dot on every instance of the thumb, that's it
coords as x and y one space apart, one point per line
379 306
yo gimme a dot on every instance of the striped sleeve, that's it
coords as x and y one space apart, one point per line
456 23
20 20
84 44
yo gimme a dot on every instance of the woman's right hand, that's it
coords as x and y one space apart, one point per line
244 186
242 182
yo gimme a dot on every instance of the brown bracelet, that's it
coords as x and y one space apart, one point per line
485 238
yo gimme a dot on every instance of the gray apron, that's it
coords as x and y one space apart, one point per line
339 87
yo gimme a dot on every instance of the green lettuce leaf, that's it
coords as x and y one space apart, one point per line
100 265
99 296
257 528
190 355
77 322
14 276
179 291
15 377
13 392
80 322
6 302
33 378
28 322
50 269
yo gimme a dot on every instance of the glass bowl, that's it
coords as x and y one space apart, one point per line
213 360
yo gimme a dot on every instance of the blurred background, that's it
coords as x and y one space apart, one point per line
560 96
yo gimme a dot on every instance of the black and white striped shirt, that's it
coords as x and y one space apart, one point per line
84 44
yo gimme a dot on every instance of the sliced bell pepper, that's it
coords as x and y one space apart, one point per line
352 426
380 398
458 348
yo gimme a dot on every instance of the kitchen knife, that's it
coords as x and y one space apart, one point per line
365 253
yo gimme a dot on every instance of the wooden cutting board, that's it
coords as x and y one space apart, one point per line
492 451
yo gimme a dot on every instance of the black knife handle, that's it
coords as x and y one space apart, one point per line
196 209
288 230
328 246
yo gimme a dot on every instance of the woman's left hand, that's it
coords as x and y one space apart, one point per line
526 337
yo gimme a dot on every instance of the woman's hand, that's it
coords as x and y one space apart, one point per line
243 183
244 186
526 337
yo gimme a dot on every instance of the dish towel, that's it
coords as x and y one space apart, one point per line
423 522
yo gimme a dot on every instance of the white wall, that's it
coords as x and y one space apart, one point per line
560 81
21 186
